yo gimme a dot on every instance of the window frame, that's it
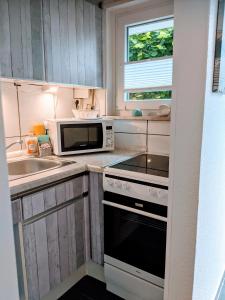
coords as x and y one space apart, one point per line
151 14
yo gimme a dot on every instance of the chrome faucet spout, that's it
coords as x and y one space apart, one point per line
20 142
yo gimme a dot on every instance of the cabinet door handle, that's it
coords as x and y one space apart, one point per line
139 205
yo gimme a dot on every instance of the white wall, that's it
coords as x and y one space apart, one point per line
210 248
8 274
190 59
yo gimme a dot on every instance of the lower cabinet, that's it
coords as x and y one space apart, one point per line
96 217
54 248
51 229
56 231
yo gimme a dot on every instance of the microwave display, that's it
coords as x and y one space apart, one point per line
81 136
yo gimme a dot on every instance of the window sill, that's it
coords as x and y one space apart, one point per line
142 118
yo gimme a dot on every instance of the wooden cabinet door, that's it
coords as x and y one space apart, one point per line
73 42
54 248
96 217
21 39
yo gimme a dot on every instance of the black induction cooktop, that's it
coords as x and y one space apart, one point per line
157 165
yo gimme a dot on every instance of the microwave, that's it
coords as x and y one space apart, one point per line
69 136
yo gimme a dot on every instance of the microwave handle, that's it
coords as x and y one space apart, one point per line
133 210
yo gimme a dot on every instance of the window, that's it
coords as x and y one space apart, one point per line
147 63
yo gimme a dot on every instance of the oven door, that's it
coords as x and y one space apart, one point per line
135 236
78 137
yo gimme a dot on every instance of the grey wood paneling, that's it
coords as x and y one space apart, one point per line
54 248
64 41
80 40
87 229
31 262
26 38
80 233
5 56
96 217
99 46
37 39
53 235
15 29
88 43
72 239
47 40
42 256
26 47
72 41
63 243
16 211
54 39
39 202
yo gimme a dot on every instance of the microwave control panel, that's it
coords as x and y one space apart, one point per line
109 136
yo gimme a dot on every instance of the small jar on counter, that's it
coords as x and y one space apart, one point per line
31 145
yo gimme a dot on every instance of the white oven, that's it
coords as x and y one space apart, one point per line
135 226
69 136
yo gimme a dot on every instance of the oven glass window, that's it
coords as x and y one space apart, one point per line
136 240
81 136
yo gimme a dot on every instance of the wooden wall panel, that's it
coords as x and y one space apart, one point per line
5 56
96 217
72 44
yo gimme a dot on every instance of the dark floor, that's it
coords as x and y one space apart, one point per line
89 288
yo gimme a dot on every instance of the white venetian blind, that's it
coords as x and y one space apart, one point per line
148 74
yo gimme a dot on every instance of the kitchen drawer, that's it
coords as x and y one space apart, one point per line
49 198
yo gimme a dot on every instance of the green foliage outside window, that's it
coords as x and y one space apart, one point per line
150 95
153 44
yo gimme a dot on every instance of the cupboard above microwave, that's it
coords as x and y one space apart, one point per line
69 136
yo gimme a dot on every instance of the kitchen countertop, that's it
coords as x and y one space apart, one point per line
94 162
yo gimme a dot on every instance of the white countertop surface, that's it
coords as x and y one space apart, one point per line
94 162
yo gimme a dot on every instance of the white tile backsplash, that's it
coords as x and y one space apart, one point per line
64 104
10 110
158 127
130 141
35 107
130 126
158 144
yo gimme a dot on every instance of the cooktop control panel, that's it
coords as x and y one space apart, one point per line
136 189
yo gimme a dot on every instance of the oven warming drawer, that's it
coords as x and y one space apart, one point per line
130 287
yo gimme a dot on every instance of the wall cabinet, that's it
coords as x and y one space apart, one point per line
50 236
96 217
51 40
21 39
73 42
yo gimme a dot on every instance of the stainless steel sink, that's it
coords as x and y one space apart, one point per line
29 166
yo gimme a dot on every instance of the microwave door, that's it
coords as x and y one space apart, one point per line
78 137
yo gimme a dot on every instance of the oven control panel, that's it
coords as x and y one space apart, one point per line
136 189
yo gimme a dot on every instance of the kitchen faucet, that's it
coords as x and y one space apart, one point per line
20 142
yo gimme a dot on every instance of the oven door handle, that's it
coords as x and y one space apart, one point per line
133 210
